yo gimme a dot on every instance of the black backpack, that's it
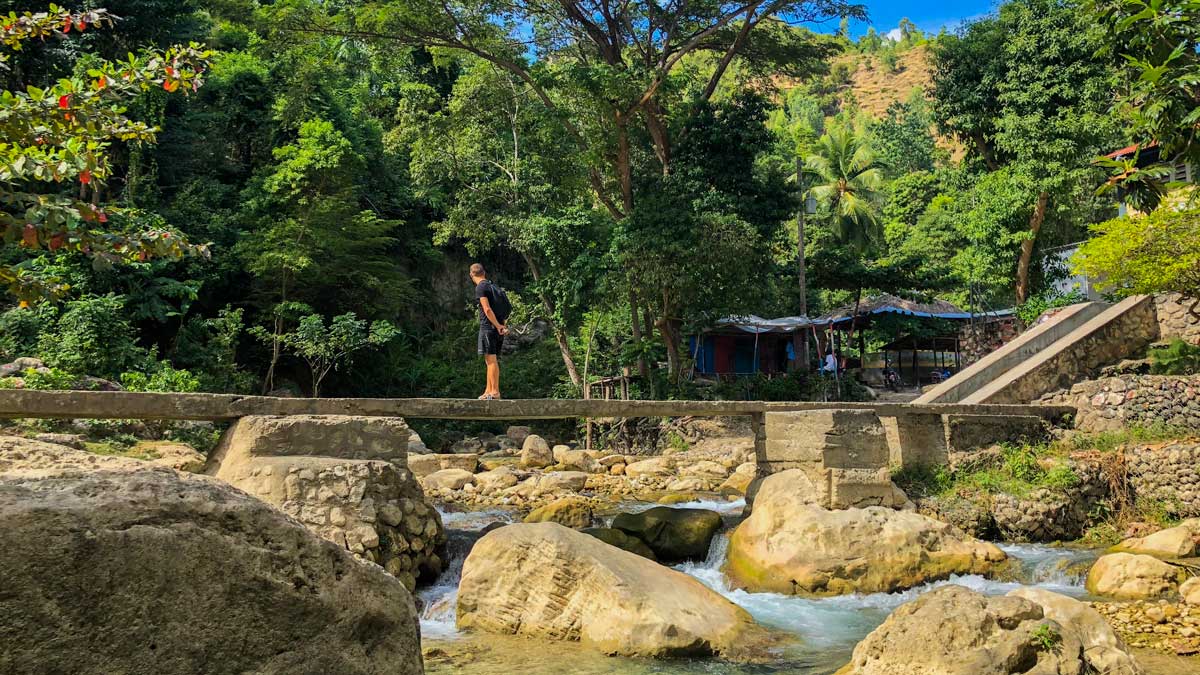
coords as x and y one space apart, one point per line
501 305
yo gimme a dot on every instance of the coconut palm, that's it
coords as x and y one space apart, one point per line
846 177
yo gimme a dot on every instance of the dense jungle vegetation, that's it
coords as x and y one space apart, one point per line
290 203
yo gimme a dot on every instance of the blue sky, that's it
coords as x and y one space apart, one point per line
929 15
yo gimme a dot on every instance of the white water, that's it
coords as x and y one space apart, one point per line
836 623
843 621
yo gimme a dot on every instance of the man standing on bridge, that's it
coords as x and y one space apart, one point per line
494 309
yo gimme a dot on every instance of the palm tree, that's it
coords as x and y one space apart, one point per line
846 177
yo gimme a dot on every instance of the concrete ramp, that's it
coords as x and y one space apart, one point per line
1055 354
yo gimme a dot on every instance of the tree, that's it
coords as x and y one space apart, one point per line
326 347
492 159
60 136
1026 92
847 179
1155 42
902 138
316 245
1157 253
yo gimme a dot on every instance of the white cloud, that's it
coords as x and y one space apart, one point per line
894 34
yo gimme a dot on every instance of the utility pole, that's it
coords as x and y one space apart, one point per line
800 339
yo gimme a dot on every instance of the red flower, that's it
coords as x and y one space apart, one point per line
64 101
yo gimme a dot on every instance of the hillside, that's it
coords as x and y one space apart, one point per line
874 88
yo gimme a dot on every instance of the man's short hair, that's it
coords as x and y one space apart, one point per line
477 270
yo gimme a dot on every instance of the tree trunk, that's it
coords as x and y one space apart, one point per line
636 323
560 336
1026 260
800 340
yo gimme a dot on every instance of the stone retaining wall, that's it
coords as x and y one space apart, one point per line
1175 318
343 477
1115 403
1169 474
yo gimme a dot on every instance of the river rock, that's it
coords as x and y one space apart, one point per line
739 481
561 481
176 573
655 466
625 542
1129 576
705 469
550 582
1173 542
423 465
449 479
572 512
535 453
576 460
1190 591
956 631
1103 650
518 434
790 545
689 485
496 479
673 534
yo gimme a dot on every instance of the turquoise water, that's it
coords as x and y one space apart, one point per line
825 629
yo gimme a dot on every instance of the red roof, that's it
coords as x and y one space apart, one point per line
1129 150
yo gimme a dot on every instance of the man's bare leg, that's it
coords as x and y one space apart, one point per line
493 375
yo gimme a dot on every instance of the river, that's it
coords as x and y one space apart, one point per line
825 629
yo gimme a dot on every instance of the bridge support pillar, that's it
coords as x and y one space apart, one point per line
842 452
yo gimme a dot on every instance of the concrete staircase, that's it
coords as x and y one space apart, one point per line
1054 354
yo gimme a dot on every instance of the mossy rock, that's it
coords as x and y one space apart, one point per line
625 542
673 534
571 512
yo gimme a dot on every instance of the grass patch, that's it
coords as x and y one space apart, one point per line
1015 469
117 448
1111 441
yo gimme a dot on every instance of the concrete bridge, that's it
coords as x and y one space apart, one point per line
848 449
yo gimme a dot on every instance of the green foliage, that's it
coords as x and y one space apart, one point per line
325 347
51 378
1158 253
62 133
1177 358
162 378
1031 309
92 336
19 330
1046 638
1155 42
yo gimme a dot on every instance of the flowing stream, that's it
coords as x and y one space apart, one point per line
827 628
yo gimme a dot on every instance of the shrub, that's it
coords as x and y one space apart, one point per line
162 378
92 336
1177 358
20 329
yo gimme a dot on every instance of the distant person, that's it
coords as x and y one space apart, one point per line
494 309
831 363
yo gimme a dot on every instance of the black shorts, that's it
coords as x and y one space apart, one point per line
490 341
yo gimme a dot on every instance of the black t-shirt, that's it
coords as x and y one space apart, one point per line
485 289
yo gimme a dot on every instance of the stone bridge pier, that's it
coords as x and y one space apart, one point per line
849 454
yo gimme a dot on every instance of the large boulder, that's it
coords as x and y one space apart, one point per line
739 481
673 534
535 453
790 545
1129 576
572 512
625 542
1103 650
1174 542
110 565
956 631
547 581
705 469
